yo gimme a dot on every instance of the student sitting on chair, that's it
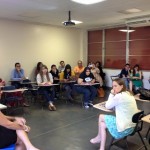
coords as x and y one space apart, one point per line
125 107
13 130
88 91
17 75
68 76
125 75
137 77
45 78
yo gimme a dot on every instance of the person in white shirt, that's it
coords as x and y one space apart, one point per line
125 107
43 80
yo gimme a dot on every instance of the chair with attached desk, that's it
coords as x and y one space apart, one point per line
12 97
139 125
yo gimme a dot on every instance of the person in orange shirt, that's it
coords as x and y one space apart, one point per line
78 69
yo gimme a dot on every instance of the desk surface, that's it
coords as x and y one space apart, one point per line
87 84
46 85
16 90
101 106
2 106
146 118
24 83
138 99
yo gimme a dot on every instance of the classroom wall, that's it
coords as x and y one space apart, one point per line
30 43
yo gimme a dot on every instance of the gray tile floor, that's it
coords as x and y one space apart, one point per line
70 127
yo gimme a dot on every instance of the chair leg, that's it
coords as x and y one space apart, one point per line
111 143
142 141
147 133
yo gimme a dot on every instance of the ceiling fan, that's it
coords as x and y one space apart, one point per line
69 22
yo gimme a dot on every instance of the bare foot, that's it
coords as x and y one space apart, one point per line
95 140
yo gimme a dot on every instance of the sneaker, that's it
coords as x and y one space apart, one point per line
86 106
90 104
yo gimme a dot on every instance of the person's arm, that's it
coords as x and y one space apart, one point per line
39 80
93 81
80 81
51 78
10 123
112 100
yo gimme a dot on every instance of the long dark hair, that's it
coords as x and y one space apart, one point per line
134 69
47 74
85 69
67 73
38 66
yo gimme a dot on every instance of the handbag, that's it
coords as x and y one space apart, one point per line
101 92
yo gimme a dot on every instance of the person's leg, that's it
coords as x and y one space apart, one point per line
68 92
23 142
86 94
130 85
101 136
93 91
126 82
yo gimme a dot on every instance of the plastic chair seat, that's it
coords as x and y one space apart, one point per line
11 147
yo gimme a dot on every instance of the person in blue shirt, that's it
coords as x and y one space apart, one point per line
17 74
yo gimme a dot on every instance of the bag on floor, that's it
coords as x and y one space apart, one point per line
101 92
144 94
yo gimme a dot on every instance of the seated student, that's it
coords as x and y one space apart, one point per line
13 130
99 66
68 75
89 92
96 72
17 74
125 75
38 68
45 78
137 77
78 69
55 73
125 107
61 68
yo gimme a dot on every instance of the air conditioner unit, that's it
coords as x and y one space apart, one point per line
138 22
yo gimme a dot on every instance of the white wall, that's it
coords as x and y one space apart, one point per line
110 72
30 43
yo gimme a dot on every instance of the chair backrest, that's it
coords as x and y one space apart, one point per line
139 123
114 77
26 81
9 87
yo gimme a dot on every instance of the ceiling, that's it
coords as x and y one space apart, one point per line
54 12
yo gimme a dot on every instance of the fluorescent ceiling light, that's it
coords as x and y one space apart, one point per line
125 30
87 2
133 10
75 21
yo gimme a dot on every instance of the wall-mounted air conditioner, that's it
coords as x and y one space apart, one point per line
138 22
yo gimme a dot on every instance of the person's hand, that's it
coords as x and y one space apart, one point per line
26 128
112 92
20 120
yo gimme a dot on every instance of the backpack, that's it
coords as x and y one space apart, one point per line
144 94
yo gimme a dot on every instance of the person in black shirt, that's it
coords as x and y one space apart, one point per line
88 91
55 74
68 76
125 75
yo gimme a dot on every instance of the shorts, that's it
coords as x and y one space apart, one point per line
7 137
110 122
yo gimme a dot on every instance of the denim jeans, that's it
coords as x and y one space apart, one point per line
89 93
68 90
126 81
48 93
